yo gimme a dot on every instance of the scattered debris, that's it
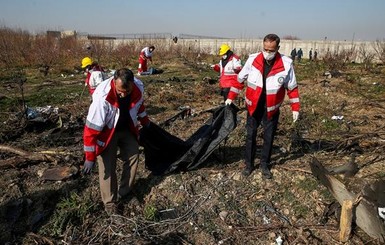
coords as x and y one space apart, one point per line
337 117
349 169
60 173
279 240
365 215
22 158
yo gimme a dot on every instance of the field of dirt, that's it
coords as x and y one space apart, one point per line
341 120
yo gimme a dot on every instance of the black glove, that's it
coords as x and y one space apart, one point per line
87 167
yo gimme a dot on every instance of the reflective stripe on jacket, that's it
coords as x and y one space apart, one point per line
280 78
145 54
103 116
228 77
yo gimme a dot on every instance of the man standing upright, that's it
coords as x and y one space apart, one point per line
299 55
293 54
311 54
267 75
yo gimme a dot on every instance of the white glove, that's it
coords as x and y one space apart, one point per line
295 116
212 66
228 102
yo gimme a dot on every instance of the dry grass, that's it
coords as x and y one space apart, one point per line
213 204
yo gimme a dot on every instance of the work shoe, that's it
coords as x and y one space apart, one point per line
111 209
266 174
247 171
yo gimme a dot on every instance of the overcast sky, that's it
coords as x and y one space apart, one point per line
305 19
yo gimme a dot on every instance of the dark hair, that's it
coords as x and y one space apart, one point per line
125 75
272 38
152 47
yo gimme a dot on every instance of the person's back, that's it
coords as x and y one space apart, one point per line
293 54
299 54
95 74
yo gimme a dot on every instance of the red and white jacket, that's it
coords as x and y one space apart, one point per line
94 77
103 116
280 78
144 55
228 74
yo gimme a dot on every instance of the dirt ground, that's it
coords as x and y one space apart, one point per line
340 116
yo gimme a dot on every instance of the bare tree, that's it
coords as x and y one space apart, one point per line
15 46
46 51
69 51
101 49
367 57
379 47
124 54
290 37
337 59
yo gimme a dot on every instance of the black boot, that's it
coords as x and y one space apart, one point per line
247 170
266 174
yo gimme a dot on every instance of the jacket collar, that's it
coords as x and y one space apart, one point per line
277 66
112 96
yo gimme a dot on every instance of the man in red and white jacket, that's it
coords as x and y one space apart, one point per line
229 66
114 117
267 75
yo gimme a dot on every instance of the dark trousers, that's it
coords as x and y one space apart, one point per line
225 93
258 118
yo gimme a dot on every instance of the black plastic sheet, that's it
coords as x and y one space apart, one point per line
166 153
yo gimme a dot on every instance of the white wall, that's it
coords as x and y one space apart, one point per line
244 47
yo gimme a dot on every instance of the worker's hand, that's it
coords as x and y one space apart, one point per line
85 84
212 66
88 166
228 102
295 116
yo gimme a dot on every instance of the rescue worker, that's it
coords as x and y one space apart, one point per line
266 75
145 56
115 115
229 66
95 74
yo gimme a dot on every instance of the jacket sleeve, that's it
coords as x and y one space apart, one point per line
94 125
142 115
292 90
237 65
242 77
216 68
